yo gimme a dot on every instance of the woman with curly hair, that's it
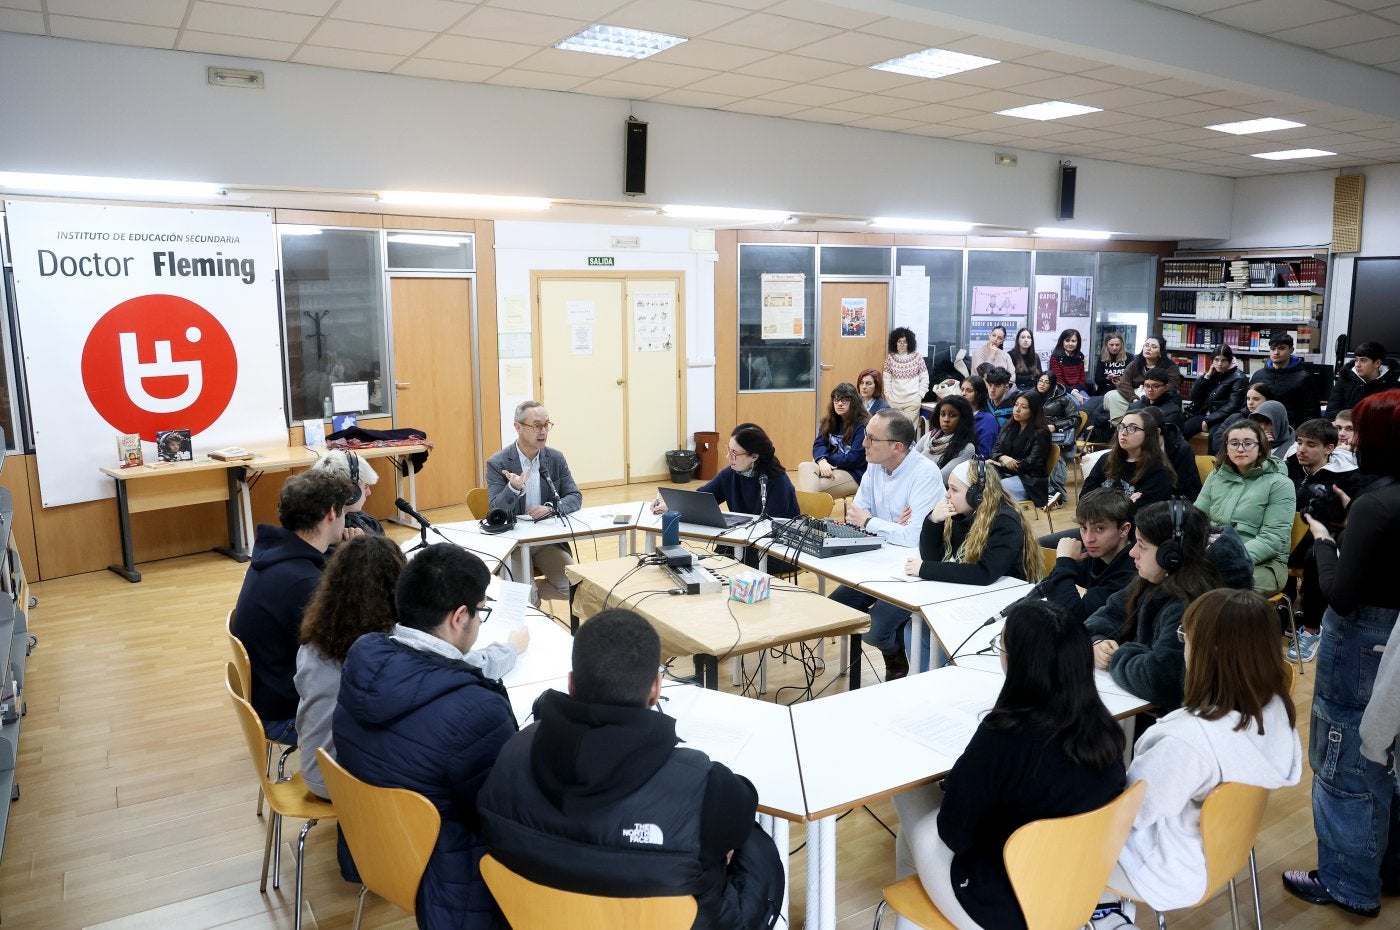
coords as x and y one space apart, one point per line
906 375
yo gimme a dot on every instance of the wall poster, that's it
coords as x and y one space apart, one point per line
653 321
853 317
784 306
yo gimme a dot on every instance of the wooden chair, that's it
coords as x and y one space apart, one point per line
479 503
1048 557
1028 507
391 833
288 798
529 906
1058 867
1200 443
815 503
1230 820
244 666
1205 464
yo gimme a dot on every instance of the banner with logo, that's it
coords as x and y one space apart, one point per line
142 319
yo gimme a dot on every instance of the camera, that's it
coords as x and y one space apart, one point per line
1322 504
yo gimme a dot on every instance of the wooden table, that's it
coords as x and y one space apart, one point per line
711 626
204 480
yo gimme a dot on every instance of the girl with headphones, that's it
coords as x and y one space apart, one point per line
1134 633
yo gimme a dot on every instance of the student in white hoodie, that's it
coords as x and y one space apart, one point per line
1236 724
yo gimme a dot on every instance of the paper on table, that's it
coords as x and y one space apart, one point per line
721 741
512 597
947 726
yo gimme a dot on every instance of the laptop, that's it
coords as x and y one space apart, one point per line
701 508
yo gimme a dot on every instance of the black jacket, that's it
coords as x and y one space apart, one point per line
1155 486
1169 402
1293 387
1099 579
600 799
1001 557
283 573
1030 448
1349 390
1183 459
1216 396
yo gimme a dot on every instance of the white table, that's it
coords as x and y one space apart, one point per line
587 523
493 550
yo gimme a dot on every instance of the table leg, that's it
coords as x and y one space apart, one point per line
821 874
128 567
779 830
708 666
622 545
916 641
857 656
233 513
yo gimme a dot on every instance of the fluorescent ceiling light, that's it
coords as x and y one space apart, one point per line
1064 232
463 201
299 230
1248 126
934 63
601 39
1294 153
948 226
735 214
441 241
82 184
1051 109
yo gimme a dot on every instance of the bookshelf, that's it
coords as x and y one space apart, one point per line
1240 299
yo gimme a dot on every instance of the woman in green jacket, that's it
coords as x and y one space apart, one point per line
1251 491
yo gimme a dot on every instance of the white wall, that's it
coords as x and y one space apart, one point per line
525 247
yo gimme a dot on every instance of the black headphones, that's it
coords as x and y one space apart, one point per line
498 521
977 472
1172 553
354 462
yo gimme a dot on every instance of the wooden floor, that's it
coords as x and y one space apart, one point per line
138 798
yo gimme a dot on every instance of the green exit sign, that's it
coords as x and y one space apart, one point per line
601 261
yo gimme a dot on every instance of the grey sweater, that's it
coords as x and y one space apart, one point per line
1381 722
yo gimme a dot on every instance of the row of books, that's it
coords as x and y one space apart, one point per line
1220 305
1244 273
1206 338
1193 366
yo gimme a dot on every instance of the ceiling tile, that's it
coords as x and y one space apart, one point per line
486 51
922 33
100 30
936 131
1118 97
777 33
346 58
236 46
936 113
1006 74
582 64
659 74
22 21
591 10
985 121
143 12
625 90
884 123
1357 125
866 80
688 18
758 106
992 100
695 98
1174 87
858 48
451 71
1088 136
1229 98
818 115
747 4
305 7
739 85
434 15
991 48
1372 52
515 26
932 91
1269 16
826 13
32 6
1113 74
988 138
245 21
1345 31
1162 108
1369 4
792 68
1055 61
811 95
364 37
539 80
1185 134
717 56
873 105
1069 87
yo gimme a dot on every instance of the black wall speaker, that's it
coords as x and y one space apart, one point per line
636 160
1065 210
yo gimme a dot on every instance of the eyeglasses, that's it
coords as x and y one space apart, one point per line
1242 444
1128 429
1181 634
841 398
483 613
537 427
739 454
870 438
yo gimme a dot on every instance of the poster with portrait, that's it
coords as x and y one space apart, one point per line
853 317
1061 302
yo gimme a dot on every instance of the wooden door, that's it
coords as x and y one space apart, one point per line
843 357
433 374
581 374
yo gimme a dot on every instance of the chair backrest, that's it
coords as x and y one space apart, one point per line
529 906
1230 821
1300 529
1052 460
1060 867
241 662
1205 464
479 503
815 503
1083 422
1048 556
391 832
251 726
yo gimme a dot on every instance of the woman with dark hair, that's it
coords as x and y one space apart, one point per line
953 439
755 481
1251 491
1022 449
1134 633
1254 396
1355 809
1048 748
1236 723
1216 395
1025 360
1136 464
871 385
1062 417
906 374
1153 355
1069 366
838 452
984 422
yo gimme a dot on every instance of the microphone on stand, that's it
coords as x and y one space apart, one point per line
762 496
423 524
554 492
983 625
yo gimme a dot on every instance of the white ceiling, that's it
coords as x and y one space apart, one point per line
1160 71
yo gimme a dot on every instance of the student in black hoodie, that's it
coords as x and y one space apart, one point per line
597 796
1158 391
1368 374
1215 396
1098 561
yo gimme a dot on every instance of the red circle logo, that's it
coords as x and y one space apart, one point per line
159 362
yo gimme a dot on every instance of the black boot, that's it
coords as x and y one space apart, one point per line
896 664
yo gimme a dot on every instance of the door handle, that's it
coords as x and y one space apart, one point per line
827 367
401 385
621 380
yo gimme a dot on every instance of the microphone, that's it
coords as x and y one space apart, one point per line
762 496
405 507
544 473
983 625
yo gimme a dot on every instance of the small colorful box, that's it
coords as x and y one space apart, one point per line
750 587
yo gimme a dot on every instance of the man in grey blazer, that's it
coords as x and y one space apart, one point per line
528 478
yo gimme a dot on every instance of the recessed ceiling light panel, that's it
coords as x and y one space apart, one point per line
938 226
1064 232
463 201
732 214
1051 109
82 184
934 63
1246 127
1293 153
619 41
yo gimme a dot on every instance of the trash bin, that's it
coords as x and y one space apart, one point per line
682 464
707 447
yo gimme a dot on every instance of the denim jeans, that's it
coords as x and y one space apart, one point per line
885 619
281 731
1012 485
1354 817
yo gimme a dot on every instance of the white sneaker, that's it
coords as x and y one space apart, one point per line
1110 917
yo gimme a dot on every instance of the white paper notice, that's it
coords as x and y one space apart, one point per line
582 340
350 396
517 379
515 318
582 311
911 305
784 302
511 600
651 322
718 739
513 345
